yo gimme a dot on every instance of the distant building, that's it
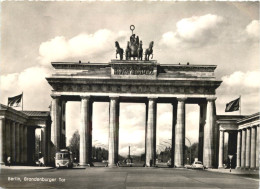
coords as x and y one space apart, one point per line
243 140
17 135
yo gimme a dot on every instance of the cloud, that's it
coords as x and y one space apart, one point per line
87 46
195 31
249 79
246 84
253 29
32 83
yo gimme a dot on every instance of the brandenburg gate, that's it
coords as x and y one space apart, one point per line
136 80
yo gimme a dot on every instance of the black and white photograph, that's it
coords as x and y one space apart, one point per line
129 94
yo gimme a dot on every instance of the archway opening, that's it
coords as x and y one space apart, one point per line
164 134
100 133
132 134
191 133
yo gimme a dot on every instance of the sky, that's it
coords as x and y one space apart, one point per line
226 34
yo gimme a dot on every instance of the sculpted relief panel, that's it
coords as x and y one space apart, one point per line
134 69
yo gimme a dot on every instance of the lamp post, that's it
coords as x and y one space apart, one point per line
190 149
230 158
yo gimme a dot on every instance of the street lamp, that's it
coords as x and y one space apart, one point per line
190 149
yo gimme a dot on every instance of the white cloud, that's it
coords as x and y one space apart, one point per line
84 45
6 80
195 31
246 84
32 83
197 27
253 29
240 79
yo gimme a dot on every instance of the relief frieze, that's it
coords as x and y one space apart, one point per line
134 89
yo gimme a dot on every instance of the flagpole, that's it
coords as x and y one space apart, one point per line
22 101
240 105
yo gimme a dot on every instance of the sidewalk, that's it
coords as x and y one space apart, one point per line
235 171
24 167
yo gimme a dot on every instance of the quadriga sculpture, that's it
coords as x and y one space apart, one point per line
149 51
119 50
133 48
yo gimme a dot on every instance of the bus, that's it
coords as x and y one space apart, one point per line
63 158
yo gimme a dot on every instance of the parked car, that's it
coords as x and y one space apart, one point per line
197 165
169 163
188 166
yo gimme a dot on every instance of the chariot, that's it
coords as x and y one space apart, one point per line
134 48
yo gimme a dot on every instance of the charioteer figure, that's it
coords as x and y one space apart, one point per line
134 48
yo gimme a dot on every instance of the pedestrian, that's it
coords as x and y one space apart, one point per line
8 161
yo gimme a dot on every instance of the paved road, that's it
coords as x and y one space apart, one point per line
125 177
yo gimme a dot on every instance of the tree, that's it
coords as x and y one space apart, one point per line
74 145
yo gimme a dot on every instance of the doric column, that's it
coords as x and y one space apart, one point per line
63 124
151 133
13 157
208 143
146 118
43 144
31 145
8 138
257 146
49 144
2 140
113 131
221 149
56 123
180 133
248 140
85 131
25 140
17 142
238 149
201 130
174 120
253 148
243 151
21 143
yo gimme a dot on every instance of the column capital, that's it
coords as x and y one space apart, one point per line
114 97
213 98
87 97
152 98
2 117
54 96
181 99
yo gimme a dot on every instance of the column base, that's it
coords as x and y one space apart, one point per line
221 167
178 166
210 168
86 165
238 167
113 165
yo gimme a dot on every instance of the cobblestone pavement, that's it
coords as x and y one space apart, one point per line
124 177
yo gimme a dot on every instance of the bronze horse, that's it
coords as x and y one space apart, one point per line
119 50
149 51
140 51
